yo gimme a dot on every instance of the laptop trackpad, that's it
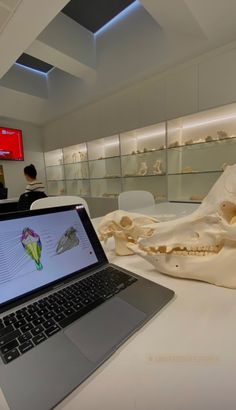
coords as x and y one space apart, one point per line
102 330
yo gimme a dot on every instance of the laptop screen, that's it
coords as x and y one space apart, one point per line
39 249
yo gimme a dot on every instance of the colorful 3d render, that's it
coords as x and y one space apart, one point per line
33 246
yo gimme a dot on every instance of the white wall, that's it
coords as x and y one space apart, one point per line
26 81
205 82
13 170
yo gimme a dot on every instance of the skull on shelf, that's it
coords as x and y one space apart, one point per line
157 167
143 168
202 245
125 227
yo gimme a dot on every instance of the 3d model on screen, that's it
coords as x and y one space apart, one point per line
32 245
199 246
125 227
68 240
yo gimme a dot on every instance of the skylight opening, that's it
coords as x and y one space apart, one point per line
123 14
34 64
33 70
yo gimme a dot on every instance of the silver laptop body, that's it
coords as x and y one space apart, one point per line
63 308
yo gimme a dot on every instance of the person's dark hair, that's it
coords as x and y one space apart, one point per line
1 185
30 170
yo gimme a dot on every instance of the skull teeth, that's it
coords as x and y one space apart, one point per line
184 251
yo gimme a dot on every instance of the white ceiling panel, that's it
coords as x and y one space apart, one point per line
4 17
24 25
9 4
216 18
181 21
155 35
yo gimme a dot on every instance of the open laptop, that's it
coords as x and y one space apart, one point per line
3 193
63 308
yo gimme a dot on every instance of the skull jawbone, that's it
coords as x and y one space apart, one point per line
217 269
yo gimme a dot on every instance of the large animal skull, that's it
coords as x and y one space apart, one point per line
125 227
202 245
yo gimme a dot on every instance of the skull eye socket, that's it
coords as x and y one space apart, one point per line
196 235
228 211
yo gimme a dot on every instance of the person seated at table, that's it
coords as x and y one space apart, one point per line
31 176
3 191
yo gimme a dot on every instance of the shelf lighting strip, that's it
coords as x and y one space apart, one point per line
200 124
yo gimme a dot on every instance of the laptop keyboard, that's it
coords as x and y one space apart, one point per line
27 327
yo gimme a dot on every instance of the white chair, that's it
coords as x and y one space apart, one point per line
52 201
129 200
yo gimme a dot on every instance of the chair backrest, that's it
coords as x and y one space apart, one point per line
52 201
27 198
129 200
3 193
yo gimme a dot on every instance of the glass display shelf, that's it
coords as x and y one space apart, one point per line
77 179
103 158
196 172
55 165
190 187
143 176
77 162
157 186
190 145
202 157
75 153
54 157
188 154
151 163
199 145
106 177
56 179
78 170
78 187
106 168
212 125
106 187
144 152
146 139
102 148
56 188
55 172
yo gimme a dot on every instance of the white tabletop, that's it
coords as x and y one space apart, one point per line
183 359
7 201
